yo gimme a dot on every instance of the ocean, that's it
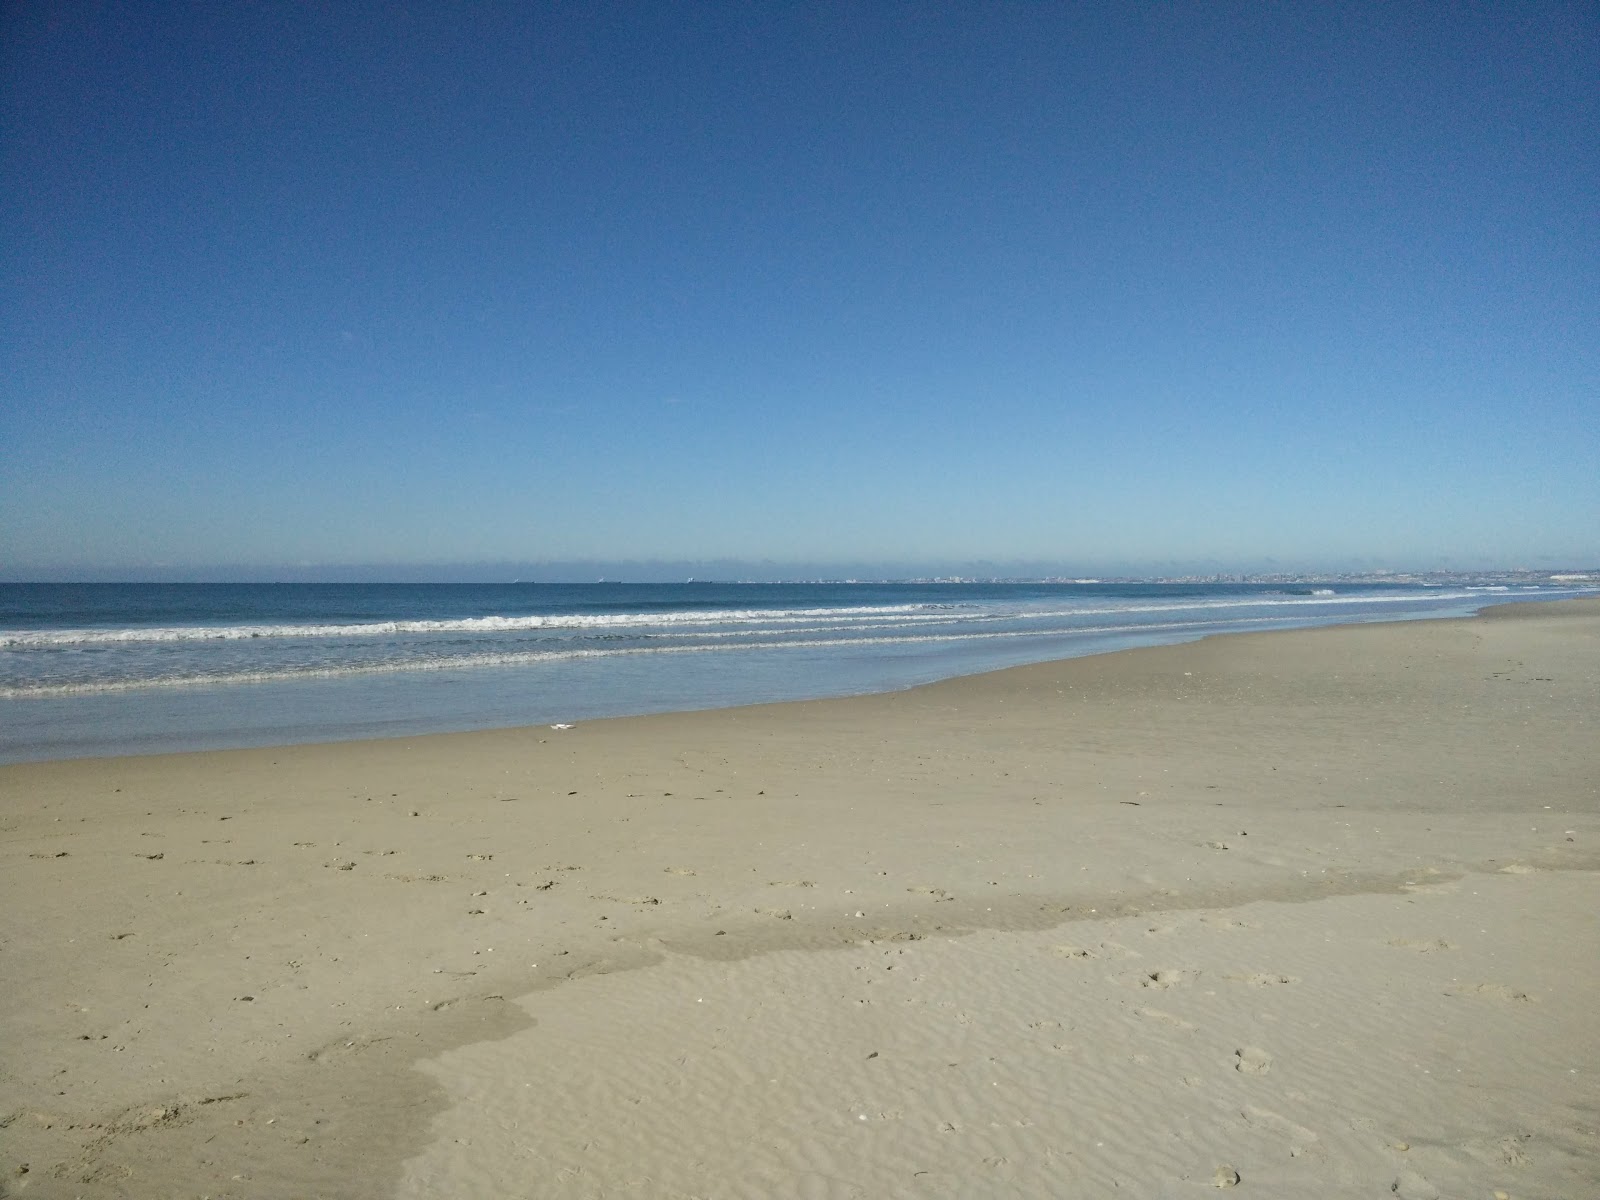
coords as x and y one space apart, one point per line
98 669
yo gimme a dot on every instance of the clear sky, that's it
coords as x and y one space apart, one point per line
1127 285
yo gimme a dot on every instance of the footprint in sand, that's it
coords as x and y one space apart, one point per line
1167 978
342 1048
1301 1139
1422 945
1252 1061
1103 950
1262 979
1411 1186
155 1116
1166 1018
1431 889
1072 952
1498 1152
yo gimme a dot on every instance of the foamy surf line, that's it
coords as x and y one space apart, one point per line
17 639
20 639
469 662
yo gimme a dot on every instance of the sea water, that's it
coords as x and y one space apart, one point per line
94 669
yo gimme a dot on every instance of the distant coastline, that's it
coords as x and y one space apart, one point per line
1516 577
530 574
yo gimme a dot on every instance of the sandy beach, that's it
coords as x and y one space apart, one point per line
1303 914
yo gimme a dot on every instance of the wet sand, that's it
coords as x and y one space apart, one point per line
1310 913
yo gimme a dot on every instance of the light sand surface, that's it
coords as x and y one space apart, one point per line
1309 913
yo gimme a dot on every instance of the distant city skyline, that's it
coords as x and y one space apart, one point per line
1125 288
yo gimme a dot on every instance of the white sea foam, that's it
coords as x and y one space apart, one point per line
458 662
18 638
936 613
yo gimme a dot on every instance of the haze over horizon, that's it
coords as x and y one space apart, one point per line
1119 289
741 571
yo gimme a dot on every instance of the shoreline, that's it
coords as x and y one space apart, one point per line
306 924
257 743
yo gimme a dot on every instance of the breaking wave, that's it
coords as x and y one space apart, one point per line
700 621
457 662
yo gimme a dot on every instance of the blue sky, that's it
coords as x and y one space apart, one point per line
1099 286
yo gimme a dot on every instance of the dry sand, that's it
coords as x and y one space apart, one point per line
1304 914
